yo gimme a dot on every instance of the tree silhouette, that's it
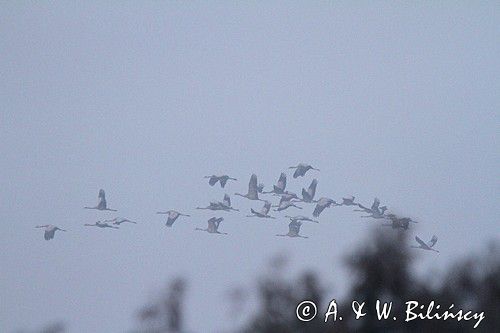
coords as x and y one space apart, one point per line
379 270
382 270
166 313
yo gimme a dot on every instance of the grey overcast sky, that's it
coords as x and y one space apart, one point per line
397 100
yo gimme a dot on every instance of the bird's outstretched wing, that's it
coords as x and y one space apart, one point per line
312 188
294 228
421 242
305 195
102 205
227 200
223 181
252 186
213 180
318 209
298 172
281 185
170 221
433 241
266 208
49 234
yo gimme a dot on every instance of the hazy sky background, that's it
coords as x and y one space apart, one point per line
394 100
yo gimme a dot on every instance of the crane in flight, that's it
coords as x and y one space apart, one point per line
426 246
172 216
253 189
301 169
100 224
398 222
101 203
301 218
375 211
349 201
288 196
323 203
293 230
213 226
308 196
284 204
375 205
213 179
378 214
120 220
224 205
280 186
50 230
264 212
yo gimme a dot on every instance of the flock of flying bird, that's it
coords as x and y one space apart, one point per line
287 200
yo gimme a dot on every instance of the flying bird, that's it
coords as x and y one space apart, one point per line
398 222
214 205
100 224
426 246
349 201
378 214
101 204
213 179
301 169
225 205
264 212
253 191
172 216
293 230
50 230
375 211
213 226
288 196
120 220
323 203
284 204
280 186
301 218
376 203
308 196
